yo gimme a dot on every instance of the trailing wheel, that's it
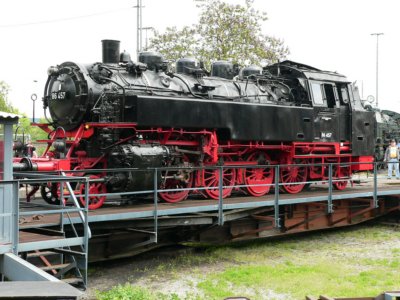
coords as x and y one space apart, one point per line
290 175
95 188
51 193
256 179
176 180
339 173
209 178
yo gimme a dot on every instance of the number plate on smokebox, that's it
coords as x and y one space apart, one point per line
58 95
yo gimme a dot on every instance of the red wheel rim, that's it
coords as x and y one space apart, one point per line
176 196
289 175
341 172
256 178
210 180
340 185
94 188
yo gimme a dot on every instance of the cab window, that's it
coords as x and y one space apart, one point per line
329 95
343 94
317 94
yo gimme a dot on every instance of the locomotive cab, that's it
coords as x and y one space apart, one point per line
338 112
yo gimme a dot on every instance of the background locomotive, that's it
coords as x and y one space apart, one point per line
123 114
387 128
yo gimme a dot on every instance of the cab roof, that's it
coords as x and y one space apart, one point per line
288 67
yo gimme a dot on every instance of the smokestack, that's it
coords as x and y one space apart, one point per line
110 51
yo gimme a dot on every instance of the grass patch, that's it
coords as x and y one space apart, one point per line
297 280
130 292
332 263
361 261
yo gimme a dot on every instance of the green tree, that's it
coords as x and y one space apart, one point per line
35 132
24 122
174 43
5 105
224 32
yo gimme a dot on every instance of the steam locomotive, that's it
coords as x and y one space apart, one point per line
388 127
121 114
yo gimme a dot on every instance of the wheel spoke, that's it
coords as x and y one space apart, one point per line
251 177
212 182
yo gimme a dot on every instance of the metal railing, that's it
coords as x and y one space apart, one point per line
38 209
276 185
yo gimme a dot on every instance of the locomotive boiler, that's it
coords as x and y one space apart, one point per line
121 114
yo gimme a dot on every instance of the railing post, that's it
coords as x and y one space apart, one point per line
155 212
15 217
220 196
330 188
276 203
376 203
86 228
62 205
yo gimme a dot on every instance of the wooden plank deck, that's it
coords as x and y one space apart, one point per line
28 237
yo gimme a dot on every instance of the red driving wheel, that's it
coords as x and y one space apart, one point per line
172 183
293 178
95 188
257 179
209 178
339 173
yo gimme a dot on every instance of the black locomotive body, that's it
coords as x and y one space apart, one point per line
124 114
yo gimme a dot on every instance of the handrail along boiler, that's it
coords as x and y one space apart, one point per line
125 114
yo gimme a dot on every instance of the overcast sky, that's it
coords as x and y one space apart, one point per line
330 35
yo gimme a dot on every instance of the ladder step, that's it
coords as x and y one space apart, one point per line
73 280
55 267
43 253
68 252
46 231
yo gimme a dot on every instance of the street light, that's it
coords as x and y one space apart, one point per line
34 98
139 20
377 63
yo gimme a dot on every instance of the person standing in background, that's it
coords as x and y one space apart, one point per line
392 158
30 150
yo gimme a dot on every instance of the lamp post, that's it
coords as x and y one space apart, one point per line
139 7
34 98
377 63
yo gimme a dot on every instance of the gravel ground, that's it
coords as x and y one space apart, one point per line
179 270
